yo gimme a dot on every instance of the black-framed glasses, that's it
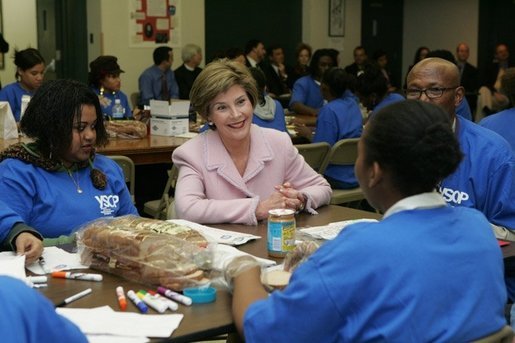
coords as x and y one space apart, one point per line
431 93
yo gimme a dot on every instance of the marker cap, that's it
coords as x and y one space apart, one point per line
200 295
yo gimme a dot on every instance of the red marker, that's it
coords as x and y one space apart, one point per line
122 301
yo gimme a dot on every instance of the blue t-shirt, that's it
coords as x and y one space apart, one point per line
339 119
485 178
463 109
107 101
416 276
13 93
502 123
278 122
49 201
151 85
29 317
7 220
307 92
387 100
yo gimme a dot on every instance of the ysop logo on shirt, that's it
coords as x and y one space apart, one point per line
451 195
108 203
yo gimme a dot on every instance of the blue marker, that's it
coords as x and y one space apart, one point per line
139 304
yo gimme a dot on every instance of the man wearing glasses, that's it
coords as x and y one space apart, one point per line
485 179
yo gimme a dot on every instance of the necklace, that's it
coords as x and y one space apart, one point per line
102 91
76 183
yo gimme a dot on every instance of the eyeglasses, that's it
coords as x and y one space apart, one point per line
431 93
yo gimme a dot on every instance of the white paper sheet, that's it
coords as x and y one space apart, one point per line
331 230
56 259
13 265
102 322
116 339
217 235
225 253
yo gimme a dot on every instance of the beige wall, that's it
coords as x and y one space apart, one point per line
315 27
439 24
19 31
115 37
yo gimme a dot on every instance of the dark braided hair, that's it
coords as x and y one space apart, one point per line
415 142
52 112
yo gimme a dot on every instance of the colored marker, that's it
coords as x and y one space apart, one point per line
174 296
42 264
37 279
172 305
157 305
78 276
139 304
74 297
122 301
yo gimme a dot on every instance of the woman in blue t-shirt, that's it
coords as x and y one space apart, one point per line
413 276
30 70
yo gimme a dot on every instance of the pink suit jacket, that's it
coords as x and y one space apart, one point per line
210 189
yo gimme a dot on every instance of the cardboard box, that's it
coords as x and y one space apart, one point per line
169 126
169 120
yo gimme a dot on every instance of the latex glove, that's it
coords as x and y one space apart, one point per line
298 255
238 265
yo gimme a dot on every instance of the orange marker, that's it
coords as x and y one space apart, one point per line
121 298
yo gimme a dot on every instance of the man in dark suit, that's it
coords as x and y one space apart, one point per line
491 100
254 53
360 61
468 75
189 70
276 72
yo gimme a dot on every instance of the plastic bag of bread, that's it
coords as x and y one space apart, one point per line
146 250
129 129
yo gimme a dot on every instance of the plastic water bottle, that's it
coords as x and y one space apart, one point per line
25 99
118 110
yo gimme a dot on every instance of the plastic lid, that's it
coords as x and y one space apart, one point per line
281 212
117 101
200 295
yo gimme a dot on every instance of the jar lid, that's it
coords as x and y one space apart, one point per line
200 295
281 212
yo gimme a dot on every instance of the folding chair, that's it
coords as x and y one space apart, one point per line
129 171
343 153
158 208
314 154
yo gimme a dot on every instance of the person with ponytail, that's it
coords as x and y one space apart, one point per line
427 272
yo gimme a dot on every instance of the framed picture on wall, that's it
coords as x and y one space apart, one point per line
336 18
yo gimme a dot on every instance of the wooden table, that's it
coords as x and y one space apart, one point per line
200 321
148 150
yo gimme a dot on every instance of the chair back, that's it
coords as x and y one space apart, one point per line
343 153
505 335
134 98
314 154
129 172
165 202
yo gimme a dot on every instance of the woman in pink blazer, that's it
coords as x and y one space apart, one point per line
236 171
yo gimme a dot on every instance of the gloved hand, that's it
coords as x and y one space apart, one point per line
238 265
298 255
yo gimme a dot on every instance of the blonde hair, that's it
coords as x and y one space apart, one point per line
217 77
